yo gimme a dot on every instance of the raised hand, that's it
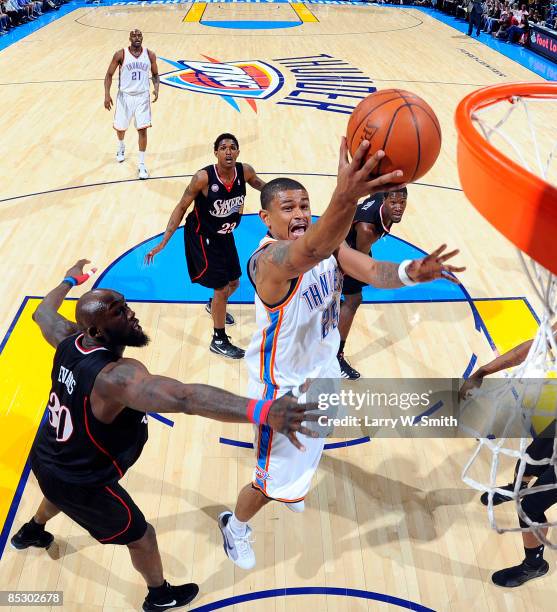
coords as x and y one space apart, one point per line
286 416
76 271
433 266
354 179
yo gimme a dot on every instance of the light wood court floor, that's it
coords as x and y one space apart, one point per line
390 516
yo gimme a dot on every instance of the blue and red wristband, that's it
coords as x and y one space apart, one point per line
72 282
258 411
79 279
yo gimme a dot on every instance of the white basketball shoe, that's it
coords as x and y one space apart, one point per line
142 170
237 549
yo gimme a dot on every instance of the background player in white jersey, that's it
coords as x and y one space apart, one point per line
133 101
297 276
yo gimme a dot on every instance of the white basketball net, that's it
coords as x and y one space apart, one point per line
527 395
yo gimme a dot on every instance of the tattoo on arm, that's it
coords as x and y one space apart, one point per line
386 275
276 254
257 183
129 383
54 327
252 178
173 225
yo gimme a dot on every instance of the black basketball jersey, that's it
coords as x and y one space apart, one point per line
368 211
72 443
219 212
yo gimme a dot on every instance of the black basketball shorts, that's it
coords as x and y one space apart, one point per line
212 260
351 286
107 512
541 447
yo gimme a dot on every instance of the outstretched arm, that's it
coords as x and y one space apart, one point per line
54 326
252 178
128 383
197 184
287 259
389 275
116 61
510 359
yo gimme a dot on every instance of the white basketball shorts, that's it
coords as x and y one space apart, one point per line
128 107
282 472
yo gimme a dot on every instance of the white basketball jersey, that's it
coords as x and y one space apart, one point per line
134 73
299 338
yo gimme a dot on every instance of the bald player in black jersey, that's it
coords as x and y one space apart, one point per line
374 219
97 426
219 191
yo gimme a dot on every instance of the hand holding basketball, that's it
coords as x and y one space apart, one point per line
353 179
400 124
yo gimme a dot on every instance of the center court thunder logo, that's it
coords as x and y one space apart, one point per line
321 82
252 80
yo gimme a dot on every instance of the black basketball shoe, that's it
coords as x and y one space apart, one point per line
519 574
501 499
346 370
32 534
170 597
229 318
226 348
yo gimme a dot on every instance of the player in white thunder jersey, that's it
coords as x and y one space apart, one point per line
135 64
297 274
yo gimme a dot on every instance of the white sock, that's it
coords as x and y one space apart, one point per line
142 157
237 528
121 145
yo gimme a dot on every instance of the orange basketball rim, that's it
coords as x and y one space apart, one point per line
520 204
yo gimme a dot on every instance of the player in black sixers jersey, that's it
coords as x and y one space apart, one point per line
373 219
219 191
97 426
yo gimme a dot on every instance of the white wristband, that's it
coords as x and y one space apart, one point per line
403 275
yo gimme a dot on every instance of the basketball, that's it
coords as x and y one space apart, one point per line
403 125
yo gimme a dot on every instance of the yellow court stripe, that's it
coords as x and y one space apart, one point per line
509 322
25 365
195 13
304 13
